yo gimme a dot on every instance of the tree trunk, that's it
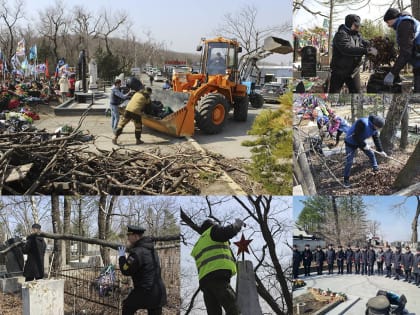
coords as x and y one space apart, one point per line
56 224
79 245
414 224
359 108
353 114
415 9
410 171
302 170
393 119
337 225
101 228
66 225
404 130
330 30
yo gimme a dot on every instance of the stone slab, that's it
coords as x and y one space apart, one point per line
44 297
246 289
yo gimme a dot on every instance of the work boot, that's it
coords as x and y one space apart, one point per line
347 183
376 169
139 141
114 140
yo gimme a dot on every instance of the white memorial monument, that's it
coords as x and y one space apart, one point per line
93 75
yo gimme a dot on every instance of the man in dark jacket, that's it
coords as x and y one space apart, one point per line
297 258
349 259
143 265
330 259
361 130
307 260
380 261
319 259
371 257
388 259
416 267
357 259
407 262
407 35
364 260
397 263
34 247
348 50
341 255
216 265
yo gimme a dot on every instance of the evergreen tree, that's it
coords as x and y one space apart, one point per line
272 150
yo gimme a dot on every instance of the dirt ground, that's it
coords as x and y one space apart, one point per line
11 304
328 169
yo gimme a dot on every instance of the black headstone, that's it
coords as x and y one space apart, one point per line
308 62
14 260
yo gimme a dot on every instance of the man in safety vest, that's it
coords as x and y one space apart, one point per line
407 31
216 265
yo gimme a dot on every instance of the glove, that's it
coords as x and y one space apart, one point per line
383 153
372 51
389 79
367 147
238 223
121 251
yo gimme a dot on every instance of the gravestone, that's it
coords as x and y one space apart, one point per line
246 289
14 259
308 69
93 75
44 297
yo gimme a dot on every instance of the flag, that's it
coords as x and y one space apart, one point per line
61 62
15 62
47 72
24 64
20 50
33 52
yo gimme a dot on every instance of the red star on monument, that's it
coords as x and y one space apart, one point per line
242 245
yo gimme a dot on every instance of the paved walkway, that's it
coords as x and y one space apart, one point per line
364 287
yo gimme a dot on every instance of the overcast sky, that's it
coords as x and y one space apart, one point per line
181 24
395 225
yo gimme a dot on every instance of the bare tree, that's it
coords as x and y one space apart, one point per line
53 24
410 171
85 25
10 15
415 223
110 23
56 224
66 225
242 25
105 210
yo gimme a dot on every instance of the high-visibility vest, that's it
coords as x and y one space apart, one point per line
210 255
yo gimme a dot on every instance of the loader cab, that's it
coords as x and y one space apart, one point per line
220 58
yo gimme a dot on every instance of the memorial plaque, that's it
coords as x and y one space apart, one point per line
308 62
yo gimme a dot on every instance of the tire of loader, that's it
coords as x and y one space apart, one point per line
240 111
257 100
212 111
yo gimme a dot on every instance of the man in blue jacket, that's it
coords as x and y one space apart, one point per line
361 130
407 31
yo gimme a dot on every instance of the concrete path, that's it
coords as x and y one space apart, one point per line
364 287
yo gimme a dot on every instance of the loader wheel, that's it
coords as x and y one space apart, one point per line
212 110
240 111
257 101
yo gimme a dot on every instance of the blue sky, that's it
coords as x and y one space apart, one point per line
395 225
180 24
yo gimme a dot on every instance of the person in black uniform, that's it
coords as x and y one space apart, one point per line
319 259
349 259
357 259
388 259
143 265
307 260
397 263
341 256
364 260
380 261
416 267
297 258
407 262
330 259
348 50
34 247
371 257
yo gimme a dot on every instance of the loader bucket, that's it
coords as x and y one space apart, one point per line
277 45
181 122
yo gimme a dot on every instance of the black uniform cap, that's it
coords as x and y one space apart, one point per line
350 19
391 14
132 229
36 226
